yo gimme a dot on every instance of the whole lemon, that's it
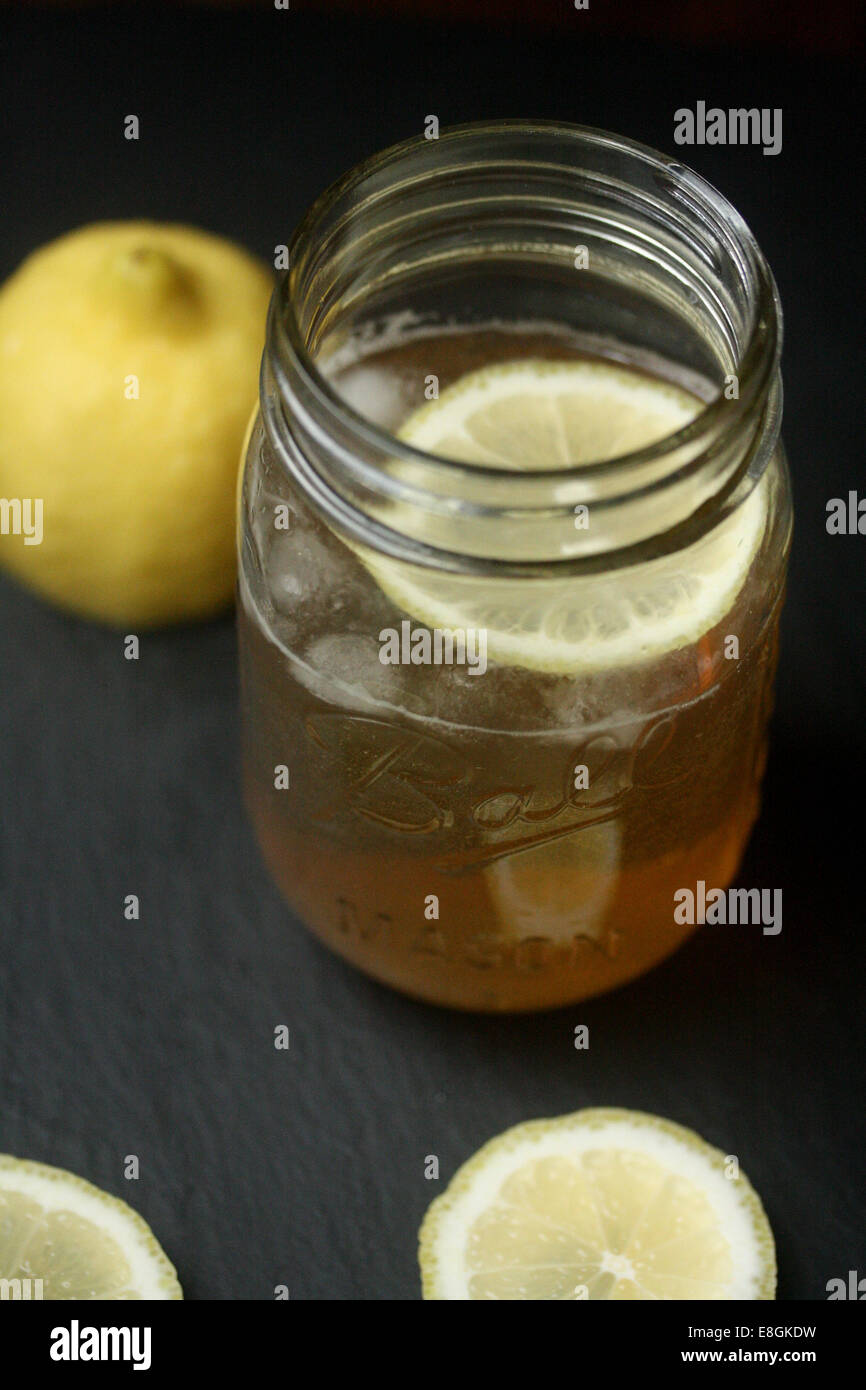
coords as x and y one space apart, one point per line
129 356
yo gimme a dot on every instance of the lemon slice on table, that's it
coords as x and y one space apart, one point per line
533 414
80 1242
602 1204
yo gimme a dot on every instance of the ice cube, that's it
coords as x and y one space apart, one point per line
348 672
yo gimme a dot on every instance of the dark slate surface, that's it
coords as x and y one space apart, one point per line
155 1038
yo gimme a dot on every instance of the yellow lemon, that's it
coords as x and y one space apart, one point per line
129 356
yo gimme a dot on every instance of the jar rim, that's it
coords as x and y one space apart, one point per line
755 366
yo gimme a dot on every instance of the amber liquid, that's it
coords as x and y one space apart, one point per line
433 830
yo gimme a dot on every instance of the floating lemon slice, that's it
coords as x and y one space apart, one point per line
80 1242
559 889
532 415
603 1204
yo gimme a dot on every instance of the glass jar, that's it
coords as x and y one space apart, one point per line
501 814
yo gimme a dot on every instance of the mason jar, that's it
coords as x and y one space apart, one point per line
514 522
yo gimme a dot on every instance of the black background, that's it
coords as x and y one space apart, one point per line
155 1038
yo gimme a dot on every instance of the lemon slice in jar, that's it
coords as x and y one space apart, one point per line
536 415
